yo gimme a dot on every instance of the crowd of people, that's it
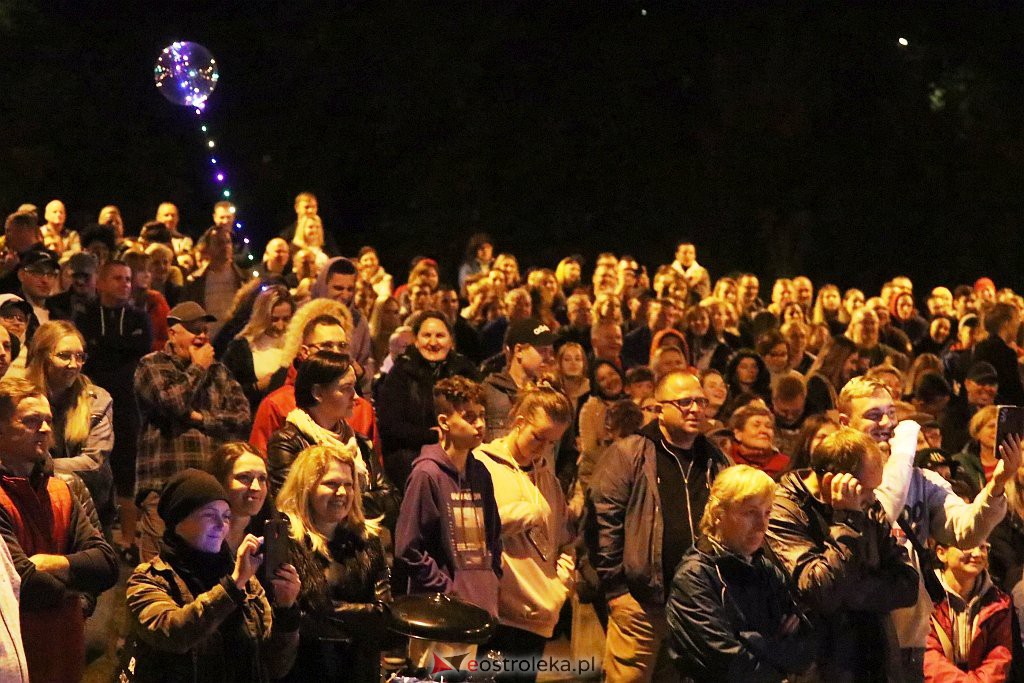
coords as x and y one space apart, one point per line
812 488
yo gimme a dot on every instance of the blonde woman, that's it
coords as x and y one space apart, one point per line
538 562
341 563
254 355
726 586
309 235
83 435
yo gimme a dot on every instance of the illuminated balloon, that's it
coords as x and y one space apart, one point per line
186 74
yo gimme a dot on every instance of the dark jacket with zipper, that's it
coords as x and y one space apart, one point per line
623 526
343 601
724 615
849 571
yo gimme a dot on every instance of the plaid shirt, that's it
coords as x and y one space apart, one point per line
169 389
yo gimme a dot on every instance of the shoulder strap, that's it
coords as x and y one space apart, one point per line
947 645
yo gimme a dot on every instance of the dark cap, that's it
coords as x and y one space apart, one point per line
189 312
529 331
186 492
14 302
932 458
982 373
83 263
39 260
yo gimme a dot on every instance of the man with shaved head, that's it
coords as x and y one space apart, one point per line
65 240
644 507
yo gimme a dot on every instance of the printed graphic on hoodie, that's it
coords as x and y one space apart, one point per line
468 533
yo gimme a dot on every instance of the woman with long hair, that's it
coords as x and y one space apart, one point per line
538 561
254 355
705 348
242 471
717 392
372 272
508 264
340 559
747 377
569 275
828 307
309 235
853 301
384 320
923 364
838 363
83 433
571 372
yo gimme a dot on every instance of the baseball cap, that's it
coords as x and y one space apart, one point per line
83 263
529 331
39 261
982 373
13 302
932 458
189 312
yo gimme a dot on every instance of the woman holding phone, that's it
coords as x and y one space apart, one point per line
196 611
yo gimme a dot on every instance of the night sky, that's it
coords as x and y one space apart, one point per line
782 138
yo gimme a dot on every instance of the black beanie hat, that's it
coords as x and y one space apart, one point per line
186 492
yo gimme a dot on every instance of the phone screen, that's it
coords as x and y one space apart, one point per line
1010 420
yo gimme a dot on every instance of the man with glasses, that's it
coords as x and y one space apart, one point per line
117 336
322 333
644 507
56 551
38 272
922 501
190 404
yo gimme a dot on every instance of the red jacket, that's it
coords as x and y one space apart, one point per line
989 656
273 410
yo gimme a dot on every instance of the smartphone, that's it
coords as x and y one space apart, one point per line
274 548
1010 420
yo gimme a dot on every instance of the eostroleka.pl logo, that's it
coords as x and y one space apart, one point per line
492 663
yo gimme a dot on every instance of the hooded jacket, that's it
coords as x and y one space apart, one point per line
724 614
499 396
359 341
982 623
537 557
847 568
432 534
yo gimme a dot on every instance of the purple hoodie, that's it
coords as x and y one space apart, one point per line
449 534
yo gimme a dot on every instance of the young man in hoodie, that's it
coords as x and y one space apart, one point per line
971 636
923 499
538 561
528 350
448 536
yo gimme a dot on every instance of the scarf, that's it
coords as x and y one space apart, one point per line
317 434
200 570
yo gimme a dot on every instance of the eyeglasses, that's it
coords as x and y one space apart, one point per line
337 347
68 356
20 317
684 404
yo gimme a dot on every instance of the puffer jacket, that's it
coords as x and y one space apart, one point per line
623 519
849 571
406 407
179 638
724 615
